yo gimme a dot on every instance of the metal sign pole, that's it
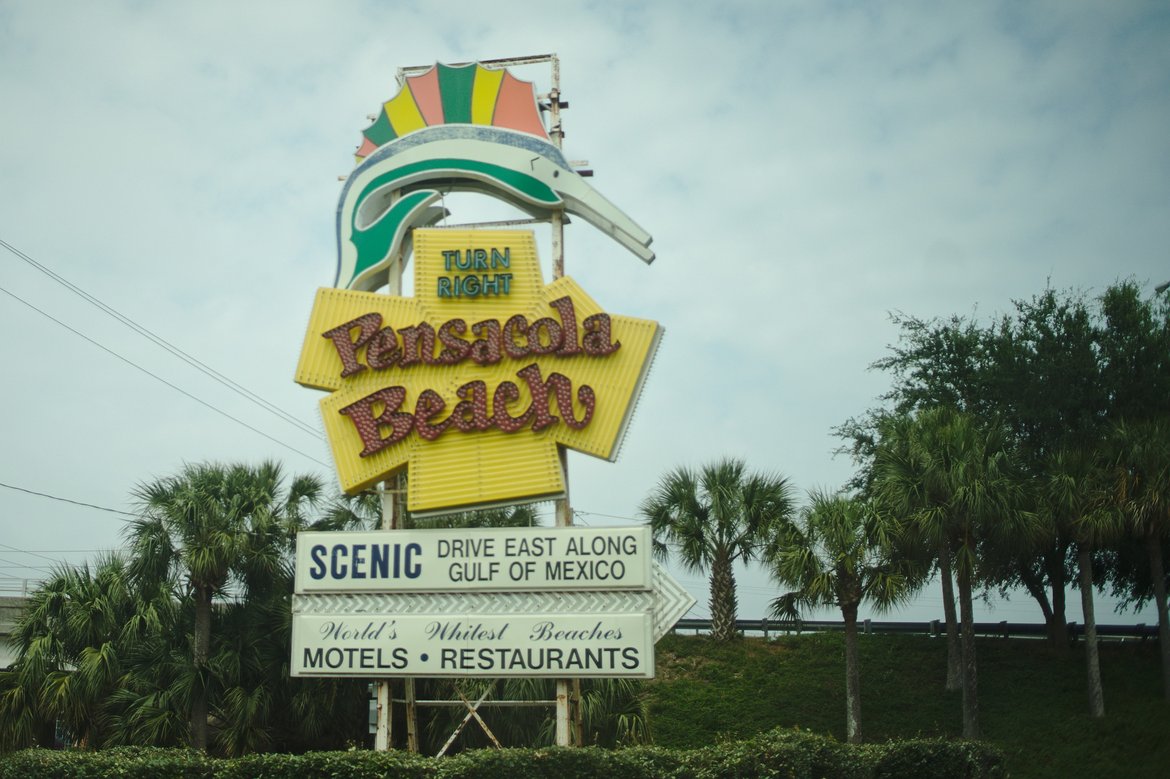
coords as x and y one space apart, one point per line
392 519
568 690
382 737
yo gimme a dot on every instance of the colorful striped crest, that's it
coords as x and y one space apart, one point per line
459 94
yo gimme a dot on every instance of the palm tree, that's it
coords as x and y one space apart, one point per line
713 518
844 554
74 640
899 481
1078 499
967 491
214 525
1143 481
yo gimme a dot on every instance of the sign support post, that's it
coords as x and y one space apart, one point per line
392 519
568 690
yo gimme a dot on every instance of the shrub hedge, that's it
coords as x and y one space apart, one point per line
777 753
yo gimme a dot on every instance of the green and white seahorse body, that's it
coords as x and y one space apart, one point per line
396 188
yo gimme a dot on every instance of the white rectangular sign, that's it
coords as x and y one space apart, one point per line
563 645
480 560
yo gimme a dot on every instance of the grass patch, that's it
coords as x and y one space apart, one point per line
1033 702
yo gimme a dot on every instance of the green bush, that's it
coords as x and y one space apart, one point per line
120 762
328 765
791 754
787 753
938 759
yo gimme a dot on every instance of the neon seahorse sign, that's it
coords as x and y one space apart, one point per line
465 128
476 382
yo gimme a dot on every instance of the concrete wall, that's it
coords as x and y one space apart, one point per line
10 608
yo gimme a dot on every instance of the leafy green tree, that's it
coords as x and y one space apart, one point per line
1008 369
214 527
842 553
1134 344
713 518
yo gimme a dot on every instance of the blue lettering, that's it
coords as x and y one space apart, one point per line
380 561
317 555
366 561
338 568
359 559
413 569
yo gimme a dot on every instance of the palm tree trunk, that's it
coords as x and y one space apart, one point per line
200 654
852 676
1058 630
723 601
954 675
1036 589
1092 661
1157 577
970 676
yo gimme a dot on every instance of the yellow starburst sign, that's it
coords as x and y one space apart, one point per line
475 382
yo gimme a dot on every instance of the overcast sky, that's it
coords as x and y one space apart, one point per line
805 168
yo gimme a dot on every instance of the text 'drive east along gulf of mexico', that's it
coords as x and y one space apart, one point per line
490 559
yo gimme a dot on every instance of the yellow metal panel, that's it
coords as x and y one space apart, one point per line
354 472
525 284
484 94
320 366
615 380
403 113
485 468
456 468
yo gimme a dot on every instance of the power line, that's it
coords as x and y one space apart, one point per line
156 377
9 564
165 344
67 500
59 551
46 557
607 516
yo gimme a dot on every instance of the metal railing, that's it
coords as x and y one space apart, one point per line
934 627
18 588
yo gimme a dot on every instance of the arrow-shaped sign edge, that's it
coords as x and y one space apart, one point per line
667 601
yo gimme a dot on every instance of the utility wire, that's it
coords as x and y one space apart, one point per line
67 500
165 344
175 387
9 564
608 516
36 554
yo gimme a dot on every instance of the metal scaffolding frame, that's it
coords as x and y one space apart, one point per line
569 724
